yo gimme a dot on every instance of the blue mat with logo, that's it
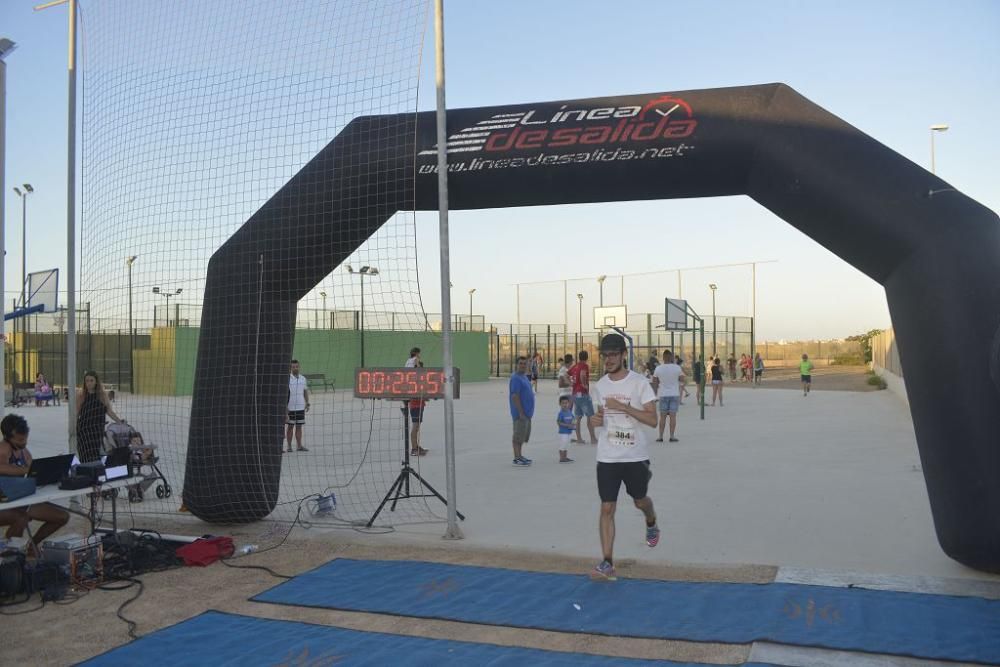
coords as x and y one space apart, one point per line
939 627
219 639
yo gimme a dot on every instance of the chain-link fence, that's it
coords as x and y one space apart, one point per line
729 337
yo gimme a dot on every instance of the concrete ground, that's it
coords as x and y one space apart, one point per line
772 486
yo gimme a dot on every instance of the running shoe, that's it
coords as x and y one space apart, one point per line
526 459
652 536
521 462
605 571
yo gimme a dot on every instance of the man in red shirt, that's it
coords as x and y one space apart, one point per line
583 407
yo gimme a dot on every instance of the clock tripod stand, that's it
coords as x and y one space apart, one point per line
400 488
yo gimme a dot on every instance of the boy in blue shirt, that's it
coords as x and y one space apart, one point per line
566 424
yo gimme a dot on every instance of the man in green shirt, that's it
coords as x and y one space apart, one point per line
805 371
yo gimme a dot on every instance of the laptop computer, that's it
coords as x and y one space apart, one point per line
116 463
49 469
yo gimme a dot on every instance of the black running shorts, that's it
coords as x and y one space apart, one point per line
635 475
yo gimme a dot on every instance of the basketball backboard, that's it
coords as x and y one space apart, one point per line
610 316
676 315
43 290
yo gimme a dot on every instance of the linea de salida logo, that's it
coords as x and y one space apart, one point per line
664 117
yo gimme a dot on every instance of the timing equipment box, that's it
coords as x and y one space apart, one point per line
84 556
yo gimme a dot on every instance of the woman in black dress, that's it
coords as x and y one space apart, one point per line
92 406
717 380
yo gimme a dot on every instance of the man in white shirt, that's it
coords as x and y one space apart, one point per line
668 378
414 359
565 382
298 405
625 402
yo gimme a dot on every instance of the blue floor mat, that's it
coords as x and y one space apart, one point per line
910 624
218 639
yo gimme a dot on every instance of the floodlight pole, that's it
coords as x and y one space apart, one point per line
714 287
6 46
70 220
453 532
24 274
131 327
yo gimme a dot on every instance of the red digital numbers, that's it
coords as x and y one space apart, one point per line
425 383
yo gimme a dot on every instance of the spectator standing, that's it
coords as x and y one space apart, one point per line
583 406
92 409
536 368
717 380
564 420
698 370
563 379
667 380
522 409
298 405
758 369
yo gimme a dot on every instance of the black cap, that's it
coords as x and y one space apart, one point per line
613 342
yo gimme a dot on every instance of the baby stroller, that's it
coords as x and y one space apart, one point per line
143 462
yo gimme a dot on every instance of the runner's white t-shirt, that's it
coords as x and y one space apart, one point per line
669 376
564 373
623 438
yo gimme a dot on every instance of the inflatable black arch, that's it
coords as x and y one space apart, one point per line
936 251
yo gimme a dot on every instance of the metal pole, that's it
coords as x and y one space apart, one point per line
714 327
565 315
362 319
71 230
131 332
680 294
753 309
933 171
24 274
517 289
453 532
3 249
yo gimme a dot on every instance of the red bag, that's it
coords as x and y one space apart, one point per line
206 550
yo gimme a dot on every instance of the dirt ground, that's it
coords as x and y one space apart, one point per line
826 378
88 626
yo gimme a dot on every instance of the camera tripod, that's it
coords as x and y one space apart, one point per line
400 488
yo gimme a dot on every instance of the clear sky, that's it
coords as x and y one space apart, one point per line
892 69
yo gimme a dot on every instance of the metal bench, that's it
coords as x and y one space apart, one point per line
319 380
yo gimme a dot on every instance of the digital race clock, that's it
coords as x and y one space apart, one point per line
403 383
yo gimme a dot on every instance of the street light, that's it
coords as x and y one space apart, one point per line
600 281
24 271
472 291
580 298
941 127
363 271
6 48
713 287
167 295
129 261
325 319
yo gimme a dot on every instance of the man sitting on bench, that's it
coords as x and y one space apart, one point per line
15 461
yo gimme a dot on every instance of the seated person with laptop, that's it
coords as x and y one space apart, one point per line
15 461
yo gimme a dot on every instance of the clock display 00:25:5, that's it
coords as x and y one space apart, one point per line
426 383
